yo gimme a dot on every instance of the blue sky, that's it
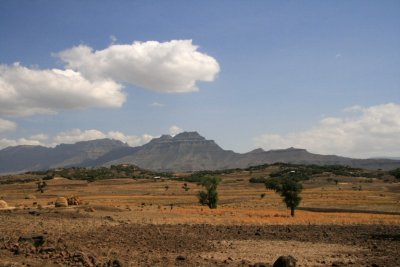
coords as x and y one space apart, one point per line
322 75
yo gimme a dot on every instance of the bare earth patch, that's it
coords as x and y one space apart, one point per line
306 253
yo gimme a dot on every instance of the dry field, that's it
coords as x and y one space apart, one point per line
152 222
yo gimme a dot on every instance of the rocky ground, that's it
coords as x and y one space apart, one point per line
65 238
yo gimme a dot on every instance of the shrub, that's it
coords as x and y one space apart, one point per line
395 173
209 197
289 188
258 180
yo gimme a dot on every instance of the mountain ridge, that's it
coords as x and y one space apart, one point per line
187 151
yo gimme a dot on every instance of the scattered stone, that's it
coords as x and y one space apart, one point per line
74 201
89 209
61 202
83 259
11 264
109 218
3 204
180 258
285 261
261 264
245 263
114 263
36 240
47 249
30 196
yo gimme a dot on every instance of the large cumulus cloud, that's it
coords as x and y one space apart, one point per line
172 67
361 132
26 91
96 78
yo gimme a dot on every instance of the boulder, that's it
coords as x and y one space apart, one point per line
36 240
3 204
74 201
285 261
61 202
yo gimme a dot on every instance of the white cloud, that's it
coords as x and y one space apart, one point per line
372 132
94 78
4 142
173 66
77 135
174 130
132 140
40 137
26 91
6 125
157 105
355 108
113 39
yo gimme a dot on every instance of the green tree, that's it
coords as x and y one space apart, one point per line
209 197
395 173
273 184
288 188
186 187
41 185
290 191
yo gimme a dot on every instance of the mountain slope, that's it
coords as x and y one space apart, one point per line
187 151
29 158
184 152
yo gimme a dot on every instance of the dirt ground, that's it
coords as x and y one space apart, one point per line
68 238
124 222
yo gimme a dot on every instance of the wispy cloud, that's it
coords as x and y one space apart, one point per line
76 135
113 39
174 130
6 125
157 105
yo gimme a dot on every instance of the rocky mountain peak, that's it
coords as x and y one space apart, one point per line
188 136
257 150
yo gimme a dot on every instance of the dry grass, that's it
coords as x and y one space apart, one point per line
145 201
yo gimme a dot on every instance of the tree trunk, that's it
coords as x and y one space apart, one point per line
292 211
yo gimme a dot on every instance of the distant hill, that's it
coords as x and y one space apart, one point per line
188 151
30 158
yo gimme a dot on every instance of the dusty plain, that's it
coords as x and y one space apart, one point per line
155 222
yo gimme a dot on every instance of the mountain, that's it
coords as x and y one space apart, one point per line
184 152
29 158
188 151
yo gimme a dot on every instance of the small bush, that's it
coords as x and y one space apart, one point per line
395 173
210 196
